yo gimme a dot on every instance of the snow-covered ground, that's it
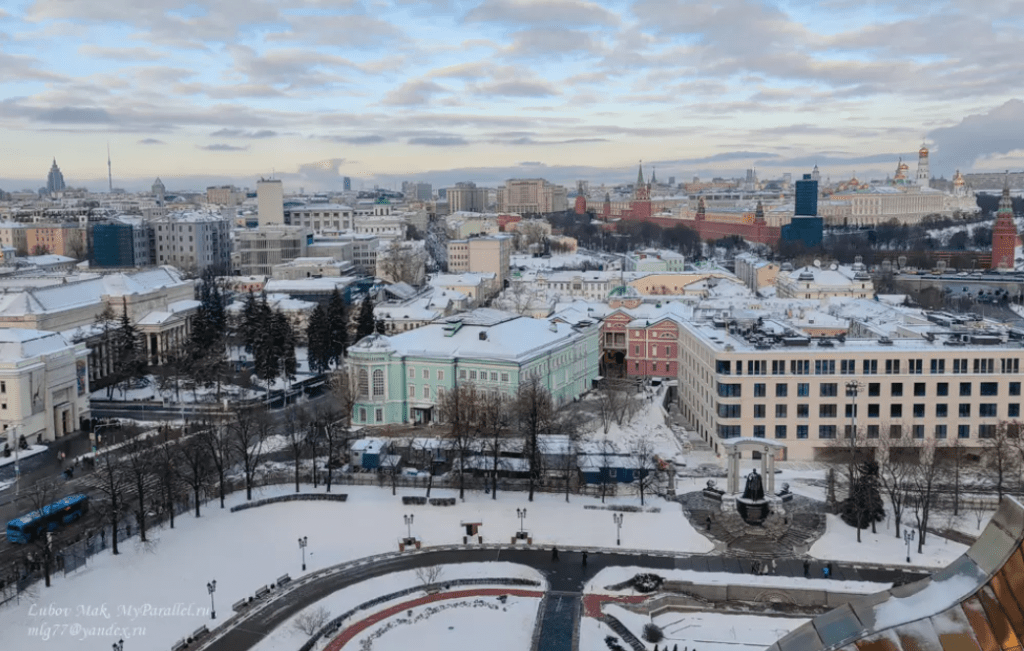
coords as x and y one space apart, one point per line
840 544
703 631
246 550
615 575
287 638
648 422
464 625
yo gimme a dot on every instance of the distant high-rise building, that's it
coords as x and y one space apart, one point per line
442 193
55 179
159 191
526 196
467 197
270 201
806 197
424 192
347 184
671 180
815 174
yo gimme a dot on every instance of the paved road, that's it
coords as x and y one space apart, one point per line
566 578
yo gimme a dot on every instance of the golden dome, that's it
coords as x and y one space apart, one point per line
958 178
904 166
923 152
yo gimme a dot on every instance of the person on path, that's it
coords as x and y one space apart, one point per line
754 567
825 572
707 524
807 569
554 553
584 559
775 569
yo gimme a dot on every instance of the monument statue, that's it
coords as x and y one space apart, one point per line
754 489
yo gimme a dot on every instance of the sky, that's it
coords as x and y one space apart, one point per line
202 92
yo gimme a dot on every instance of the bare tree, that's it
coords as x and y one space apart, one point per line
533 413
956 455
312 620
111 482
429 574
195 467
979 509
606 453
924 477
295 429
460 409
248 433
641 454
402 262
493 422
138 462
615 403
165 467
1000 455
895 465
216 438
40 495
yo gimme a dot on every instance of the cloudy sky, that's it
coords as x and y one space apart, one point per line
208 91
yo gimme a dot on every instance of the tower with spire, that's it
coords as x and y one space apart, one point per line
110 173
1004 232
581 200
640 210
923 173
55 179
158 191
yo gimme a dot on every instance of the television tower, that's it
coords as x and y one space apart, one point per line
110 176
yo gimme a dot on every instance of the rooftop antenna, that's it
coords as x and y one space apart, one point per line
110 176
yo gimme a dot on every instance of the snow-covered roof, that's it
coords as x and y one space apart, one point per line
461 280
309 284
17 344
368 445
90 291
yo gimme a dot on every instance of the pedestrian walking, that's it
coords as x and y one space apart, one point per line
807 569
829 568
774 567
754 567
707 524
584 559
825 572
554 553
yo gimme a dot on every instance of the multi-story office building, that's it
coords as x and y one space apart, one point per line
270 201
14 235
531 196
346 184
193 241
124 242
466 197
482 255
59 239
402 379
756 272
223 195
321 217
741 379
258 251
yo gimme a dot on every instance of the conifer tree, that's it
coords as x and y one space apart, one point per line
366 325
337 318
864 505
318 338
130 358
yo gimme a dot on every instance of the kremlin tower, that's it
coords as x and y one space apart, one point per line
1004 233
923 174
581 200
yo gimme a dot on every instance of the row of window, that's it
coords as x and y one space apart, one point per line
868 366
985 410
874 389
872 431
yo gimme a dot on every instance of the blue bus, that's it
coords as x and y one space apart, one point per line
31 525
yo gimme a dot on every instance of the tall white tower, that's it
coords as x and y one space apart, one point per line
270 201
923 174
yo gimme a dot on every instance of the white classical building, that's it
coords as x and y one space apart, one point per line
833 281
44 384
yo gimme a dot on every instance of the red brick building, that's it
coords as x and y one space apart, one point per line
1004 233
639 347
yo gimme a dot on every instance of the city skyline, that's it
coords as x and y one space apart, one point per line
207 93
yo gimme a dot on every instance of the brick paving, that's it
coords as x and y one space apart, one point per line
355 629
592 602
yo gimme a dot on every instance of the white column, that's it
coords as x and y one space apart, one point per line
771 473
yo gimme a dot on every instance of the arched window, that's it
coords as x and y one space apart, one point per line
378 383
364 383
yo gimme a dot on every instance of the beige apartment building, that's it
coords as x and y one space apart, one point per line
482 255
756 272
954 388
14 235
192 241
466 197
531 196
258 251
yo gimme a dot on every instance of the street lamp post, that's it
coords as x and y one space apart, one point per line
617 518
521 513
852 389
408 523
118 646
302 545
211 587
908 535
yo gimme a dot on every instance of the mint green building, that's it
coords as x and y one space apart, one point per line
399 379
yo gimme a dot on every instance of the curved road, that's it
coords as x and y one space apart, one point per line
566 579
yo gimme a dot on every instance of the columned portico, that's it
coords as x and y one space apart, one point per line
734 453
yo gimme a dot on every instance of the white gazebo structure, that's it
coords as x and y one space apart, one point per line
768 449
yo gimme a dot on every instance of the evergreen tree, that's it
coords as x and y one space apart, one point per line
318 338
337 321
284 344
130 357
206 357
366 325
864 505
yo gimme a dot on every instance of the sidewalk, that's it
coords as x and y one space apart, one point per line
355 629
32 451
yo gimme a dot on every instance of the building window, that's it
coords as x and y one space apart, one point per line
412 373
426 393
918 431
801 431
896 389
829 390
960 366
426 374
896 411
778 367
919 389
874 389
940 431
986 431
851 411
759 431
1013 410
1014 388
780 411
462 374
895 431
781 390
963 431
472 375
824 367
942 389
729 411
803 389
870 367
915 367
362 415
759 390
364 385
826 431
827 411
730 390
872 431
965 388
987 410
759 411
848 367
988 389
3 387
938 366
379 415
941 410
780 431
803 411
918 410
378 383
729 431
965 410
